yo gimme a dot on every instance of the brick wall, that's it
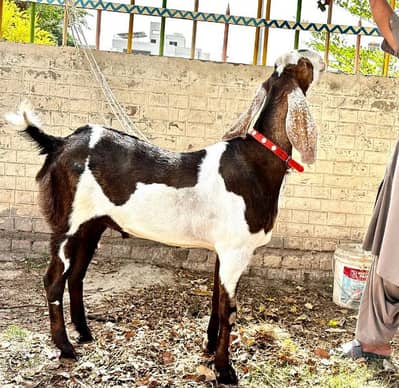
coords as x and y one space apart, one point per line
183 105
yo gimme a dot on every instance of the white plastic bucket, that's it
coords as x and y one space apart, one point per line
351 268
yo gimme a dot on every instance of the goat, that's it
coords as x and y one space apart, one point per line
223 197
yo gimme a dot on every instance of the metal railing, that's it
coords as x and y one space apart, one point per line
195 16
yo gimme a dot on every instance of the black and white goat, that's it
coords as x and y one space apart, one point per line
224 197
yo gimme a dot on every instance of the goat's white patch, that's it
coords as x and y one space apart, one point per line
198 216
292 58
233 262
62 256
57 302
97 132
24 117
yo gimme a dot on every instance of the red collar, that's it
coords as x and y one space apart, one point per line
291 163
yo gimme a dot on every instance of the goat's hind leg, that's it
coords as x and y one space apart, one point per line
54 283
83 245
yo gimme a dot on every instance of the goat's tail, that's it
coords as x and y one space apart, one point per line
27 120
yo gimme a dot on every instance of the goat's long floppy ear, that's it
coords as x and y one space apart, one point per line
247 119
300 126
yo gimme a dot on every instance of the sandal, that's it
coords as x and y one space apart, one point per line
354 350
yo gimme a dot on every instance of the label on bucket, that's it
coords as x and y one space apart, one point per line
353 283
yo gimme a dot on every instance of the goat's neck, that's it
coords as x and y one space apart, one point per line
274 130
263 160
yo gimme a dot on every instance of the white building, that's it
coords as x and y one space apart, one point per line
175 44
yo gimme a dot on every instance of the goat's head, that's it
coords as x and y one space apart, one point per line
284 92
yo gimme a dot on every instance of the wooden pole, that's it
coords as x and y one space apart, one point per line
98 29
1 17
162 32
357 51
226 35
266 38
130 31
194 32
327 47
66 23
298 20
32 22
257 34
385 68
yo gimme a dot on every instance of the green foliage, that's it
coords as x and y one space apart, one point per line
16 25
51 19
14 332
342 54
356 7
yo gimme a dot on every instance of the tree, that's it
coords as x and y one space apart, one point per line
16 25
48 22
50 18
343 54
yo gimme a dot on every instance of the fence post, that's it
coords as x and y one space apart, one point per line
226 35
162 32
298 20
66 23
98 29
32 22
194 32
329 18
266 37
130 31
257 34
1 17
357 51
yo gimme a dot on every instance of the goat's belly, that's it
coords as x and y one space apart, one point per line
172 216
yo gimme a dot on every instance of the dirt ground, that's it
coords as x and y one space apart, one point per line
149 325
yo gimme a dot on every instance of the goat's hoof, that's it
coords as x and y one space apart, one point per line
68 353
85 338
227 376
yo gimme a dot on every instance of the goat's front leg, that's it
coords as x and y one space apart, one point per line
213 327
54 283
227 314
231 268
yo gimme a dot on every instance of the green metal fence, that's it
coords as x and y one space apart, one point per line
195 16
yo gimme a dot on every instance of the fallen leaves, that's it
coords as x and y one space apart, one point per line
152 338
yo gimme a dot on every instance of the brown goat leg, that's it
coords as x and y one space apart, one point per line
82 246
227 315
213 326
54 283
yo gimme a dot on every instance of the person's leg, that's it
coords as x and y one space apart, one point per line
378 318
382 13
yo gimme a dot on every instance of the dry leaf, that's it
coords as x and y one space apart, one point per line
322 353
309 306
167 358
209 374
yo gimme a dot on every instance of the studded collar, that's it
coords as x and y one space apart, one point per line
279 152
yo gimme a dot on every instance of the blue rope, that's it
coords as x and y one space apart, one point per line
213 17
